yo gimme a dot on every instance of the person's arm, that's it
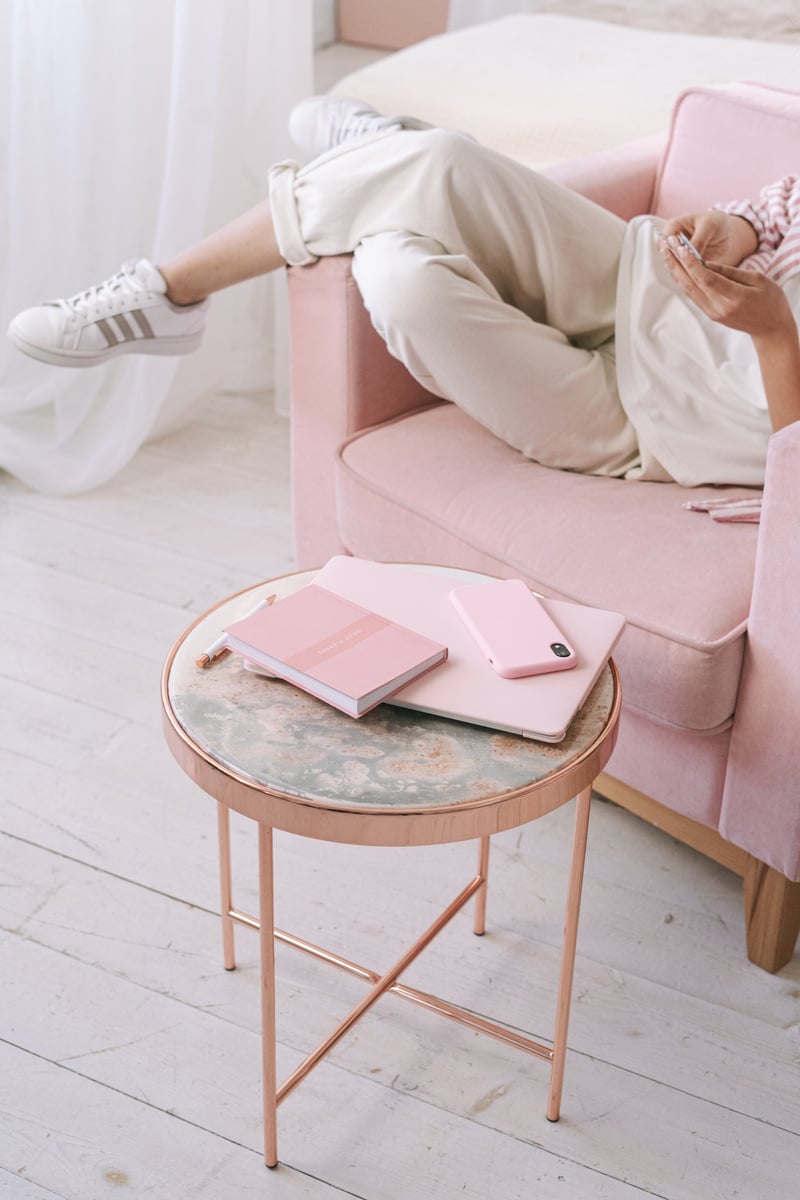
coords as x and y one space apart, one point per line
771 215
730 233
722 237
779 360
748 301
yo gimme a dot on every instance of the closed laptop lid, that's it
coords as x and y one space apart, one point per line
466 688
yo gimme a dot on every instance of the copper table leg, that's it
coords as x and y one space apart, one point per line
480 900
390 981
225 884
572 914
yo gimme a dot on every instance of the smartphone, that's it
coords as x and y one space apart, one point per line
684 241
512 628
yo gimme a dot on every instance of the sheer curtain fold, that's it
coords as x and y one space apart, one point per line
132 129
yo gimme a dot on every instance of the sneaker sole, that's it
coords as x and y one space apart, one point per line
82 358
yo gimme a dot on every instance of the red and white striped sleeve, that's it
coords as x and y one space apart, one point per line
775 216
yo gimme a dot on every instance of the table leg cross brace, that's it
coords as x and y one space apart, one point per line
389 983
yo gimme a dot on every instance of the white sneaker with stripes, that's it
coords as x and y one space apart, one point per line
130 313
322 122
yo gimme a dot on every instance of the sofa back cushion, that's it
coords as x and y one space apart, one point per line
726 143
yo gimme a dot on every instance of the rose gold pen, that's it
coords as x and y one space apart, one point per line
218 649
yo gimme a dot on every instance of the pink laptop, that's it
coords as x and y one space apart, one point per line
466 688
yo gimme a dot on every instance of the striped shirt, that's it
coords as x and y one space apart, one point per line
775 216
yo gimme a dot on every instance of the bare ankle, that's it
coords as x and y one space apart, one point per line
179 291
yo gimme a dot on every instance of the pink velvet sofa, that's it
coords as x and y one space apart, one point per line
709 746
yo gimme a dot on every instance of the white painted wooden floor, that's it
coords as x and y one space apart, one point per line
129 1059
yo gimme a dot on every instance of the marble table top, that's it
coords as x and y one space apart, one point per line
272 733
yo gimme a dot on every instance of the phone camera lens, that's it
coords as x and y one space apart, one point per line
559 649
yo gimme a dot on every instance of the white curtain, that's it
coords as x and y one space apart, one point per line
132 128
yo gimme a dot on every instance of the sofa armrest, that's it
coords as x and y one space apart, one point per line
761 799
343 380
621 179
343 377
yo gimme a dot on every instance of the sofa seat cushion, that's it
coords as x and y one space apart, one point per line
435 486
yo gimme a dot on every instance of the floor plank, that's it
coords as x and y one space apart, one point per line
187 1062
174 949
68 1137
12 1184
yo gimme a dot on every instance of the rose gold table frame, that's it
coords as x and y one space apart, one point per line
272 809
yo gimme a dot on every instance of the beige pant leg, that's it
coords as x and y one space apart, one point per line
516 277
523 380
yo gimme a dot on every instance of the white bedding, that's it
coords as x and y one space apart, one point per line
546 87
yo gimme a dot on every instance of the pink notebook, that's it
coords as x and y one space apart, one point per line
466 688
336 649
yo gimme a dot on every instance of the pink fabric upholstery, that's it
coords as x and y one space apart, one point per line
641 553
343 380
761 804
703 163
710 695
621 179
691 767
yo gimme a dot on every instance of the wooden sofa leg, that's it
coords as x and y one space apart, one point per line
772 915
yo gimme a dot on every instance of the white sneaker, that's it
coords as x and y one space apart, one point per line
126 314
321 122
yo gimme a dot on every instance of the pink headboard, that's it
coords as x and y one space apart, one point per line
725 143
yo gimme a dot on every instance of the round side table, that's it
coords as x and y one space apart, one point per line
288 761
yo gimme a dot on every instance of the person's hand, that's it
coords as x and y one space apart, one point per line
753 304
744 300
718 236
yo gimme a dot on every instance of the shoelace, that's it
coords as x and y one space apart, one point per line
104 297
361 123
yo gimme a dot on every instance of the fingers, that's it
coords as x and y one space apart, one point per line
685 224
706 230
687 260
668 235
737 275
680 260
711 286
742 300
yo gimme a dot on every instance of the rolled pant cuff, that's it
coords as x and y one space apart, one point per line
285 217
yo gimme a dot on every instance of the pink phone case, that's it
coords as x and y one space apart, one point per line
513 628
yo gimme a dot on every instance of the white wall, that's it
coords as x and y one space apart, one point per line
324 22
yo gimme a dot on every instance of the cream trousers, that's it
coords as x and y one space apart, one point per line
493 285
